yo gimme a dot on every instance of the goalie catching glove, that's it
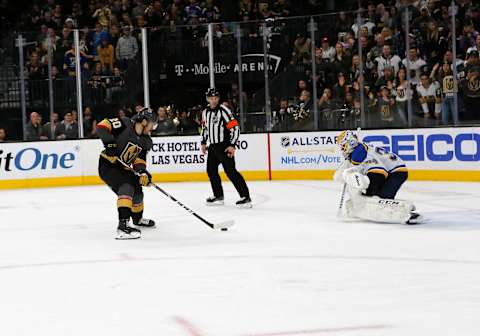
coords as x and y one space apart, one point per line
145 178
355 180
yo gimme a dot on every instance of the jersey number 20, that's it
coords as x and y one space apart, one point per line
116 123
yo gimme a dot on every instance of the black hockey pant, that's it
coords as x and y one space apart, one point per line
217 155
385 187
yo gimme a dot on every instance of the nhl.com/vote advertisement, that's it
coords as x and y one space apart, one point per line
442 149
304 151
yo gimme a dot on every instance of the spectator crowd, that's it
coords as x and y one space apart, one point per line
170 121
394 75
363 57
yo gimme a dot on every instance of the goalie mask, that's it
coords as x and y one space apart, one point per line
347 141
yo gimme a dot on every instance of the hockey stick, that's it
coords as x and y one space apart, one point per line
224 226
342 200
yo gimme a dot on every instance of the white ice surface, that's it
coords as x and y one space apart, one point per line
288 267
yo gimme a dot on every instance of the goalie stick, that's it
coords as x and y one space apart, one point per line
344 189
342 200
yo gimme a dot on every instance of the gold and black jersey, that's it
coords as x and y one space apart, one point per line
385 109
449 86
471 87
132 148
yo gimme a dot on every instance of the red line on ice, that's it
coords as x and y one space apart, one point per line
323 331
192 331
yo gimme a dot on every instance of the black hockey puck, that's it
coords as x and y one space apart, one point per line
224 229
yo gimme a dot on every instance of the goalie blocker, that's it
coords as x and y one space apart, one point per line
373 177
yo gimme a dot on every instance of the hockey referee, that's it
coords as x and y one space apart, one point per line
221 131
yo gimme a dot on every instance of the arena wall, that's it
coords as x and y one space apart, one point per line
436 154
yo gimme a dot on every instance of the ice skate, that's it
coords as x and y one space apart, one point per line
215 201
244 203
125 231
414 219
145 222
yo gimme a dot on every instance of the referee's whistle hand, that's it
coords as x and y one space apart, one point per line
230 151
203 149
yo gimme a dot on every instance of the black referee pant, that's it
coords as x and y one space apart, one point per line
217 155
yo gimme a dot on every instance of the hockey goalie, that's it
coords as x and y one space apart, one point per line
373 177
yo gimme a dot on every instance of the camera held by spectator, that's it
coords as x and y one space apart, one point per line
302 110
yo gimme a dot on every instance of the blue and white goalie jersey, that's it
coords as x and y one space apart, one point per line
371 159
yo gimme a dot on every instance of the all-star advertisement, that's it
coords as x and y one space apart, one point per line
304 151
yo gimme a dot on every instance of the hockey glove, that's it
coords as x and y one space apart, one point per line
356 180
145 178
111 149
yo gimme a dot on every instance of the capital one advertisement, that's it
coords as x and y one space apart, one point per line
40 159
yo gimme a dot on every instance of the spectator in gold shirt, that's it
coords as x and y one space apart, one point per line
106 55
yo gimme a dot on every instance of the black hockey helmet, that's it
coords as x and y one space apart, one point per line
145 113
212 92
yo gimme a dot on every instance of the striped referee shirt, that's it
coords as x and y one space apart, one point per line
219 126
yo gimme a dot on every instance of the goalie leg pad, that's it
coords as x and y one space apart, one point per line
380 210
349 210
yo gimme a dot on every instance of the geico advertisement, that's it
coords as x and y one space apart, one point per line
297 151
40 159
182 154
441 148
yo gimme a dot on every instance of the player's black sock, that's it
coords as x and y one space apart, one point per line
124 213
136 216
